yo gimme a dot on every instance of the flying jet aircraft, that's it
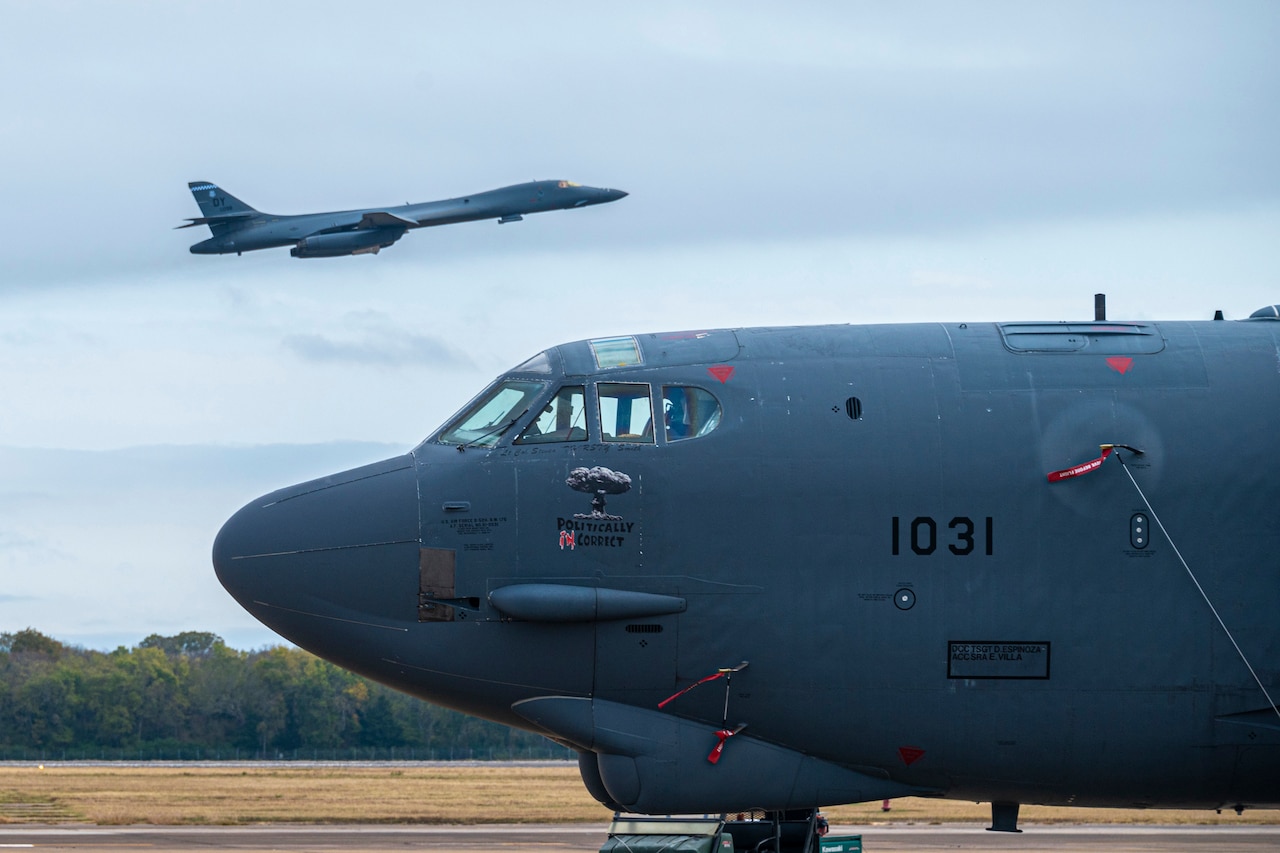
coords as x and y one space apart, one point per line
239 228
784 568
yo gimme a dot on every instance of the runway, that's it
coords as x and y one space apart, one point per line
576 839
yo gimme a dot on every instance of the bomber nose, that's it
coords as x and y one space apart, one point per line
341 548
597 195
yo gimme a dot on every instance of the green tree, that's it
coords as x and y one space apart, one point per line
192 644
30 641
108 710
381 726
190 691
44 708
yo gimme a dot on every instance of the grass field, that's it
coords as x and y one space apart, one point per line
412 793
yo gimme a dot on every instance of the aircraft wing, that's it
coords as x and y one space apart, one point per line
214 220
384 219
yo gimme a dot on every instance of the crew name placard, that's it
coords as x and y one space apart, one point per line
997 659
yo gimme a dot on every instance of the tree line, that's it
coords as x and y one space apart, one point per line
191 696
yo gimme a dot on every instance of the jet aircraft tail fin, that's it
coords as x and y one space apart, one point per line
222 211
214 201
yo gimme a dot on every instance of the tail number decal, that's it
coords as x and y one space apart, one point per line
961 536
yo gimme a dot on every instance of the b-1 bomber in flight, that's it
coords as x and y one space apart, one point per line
239 228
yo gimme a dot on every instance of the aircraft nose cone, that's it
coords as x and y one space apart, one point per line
597 195
341 548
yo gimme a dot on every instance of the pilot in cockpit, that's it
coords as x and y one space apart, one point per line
563 419
674 414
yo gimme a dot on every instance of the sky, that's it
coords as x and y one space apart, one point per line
787 164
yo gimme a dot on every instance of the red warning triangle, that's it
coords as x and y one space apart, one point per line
910 754
721 372
1120 363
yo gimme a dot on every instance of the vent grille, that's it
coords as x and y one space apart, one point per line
644 629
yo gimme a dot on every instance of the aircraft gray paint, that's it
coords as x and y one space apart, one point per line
784 568
239 228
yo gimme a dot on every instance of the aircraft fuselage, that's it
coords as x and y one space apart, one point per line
862 515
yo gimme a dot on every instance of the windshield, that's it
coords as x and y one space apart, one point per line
492 414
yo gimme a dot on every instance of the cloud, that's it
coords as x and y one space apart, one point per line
939 280
725 121
32 546
398 349
118 546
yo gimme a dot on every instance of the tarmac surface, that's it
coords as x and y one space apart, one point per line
577 839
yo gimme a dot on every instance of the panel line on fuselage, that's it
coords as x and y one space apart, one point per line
1195 580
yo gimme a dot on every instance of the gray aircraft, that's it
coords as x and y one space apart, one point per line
239 228
783 568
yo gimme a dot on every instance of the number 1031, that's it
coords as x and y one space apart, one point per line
961 536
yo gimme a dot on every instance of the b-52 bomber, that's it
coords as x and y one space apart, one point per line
783 568
239 228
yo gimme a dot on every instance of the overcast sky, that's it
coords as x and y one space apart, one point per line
787 163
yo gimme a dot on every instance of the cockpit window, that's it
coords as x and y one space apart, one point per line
567 184
563 419
616 352
625 412
688 412
492 414
540 363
